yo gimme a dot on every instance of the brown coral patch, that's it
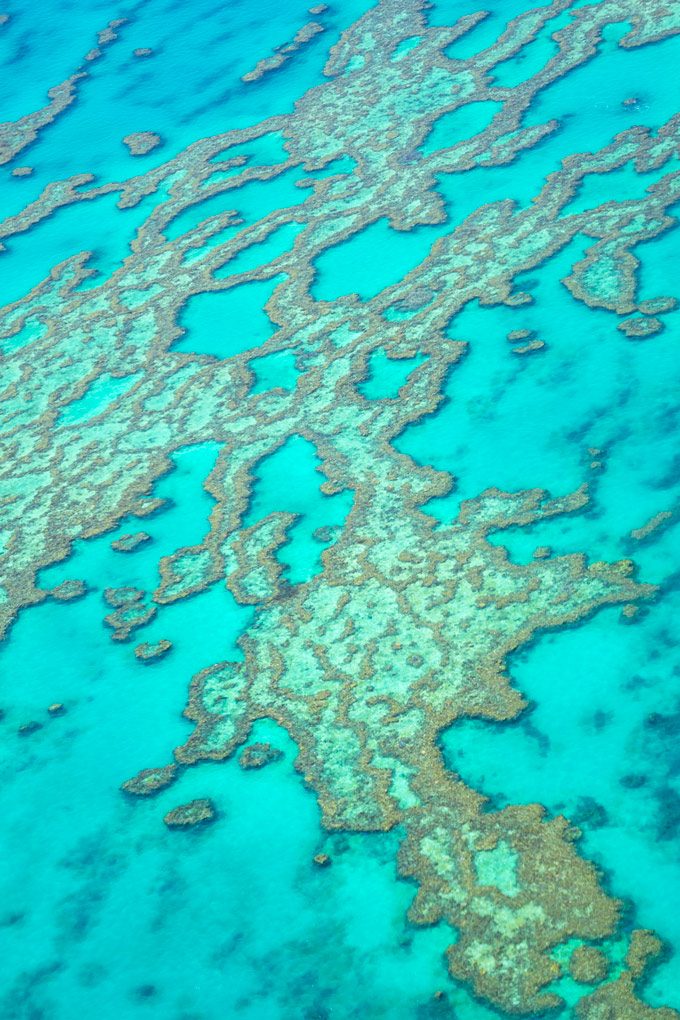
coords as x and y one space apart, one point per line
188 816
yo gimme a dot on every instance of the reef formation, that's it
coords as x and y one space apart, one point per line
409 624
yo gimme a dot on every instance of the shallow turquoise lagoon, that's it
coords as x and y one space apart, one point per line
103 910
224 323
387 375
289 480
272 370
145 922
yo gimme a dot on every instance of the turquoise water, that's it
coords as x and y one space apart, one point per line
335 427
228 322
570 386
96 398
273 370
386 375
359 265
264 929
289 480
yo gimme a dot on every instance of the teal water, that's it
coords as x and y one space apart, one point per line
571 386
386 375
465 122
371 260
104 910
223 323
273 370
227 918
289 480
96 398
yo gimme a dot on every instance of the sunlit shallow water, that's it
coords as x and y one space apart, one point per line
104 909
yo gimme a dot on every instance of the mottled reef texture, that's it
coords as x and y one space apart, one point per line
409 625
141 142
284 52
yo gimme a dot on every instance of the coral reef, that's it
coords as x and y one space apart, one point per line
188 816
150 652
27 729
128 543
141 142
129 612
588 965
408 626
67 591
17 135
284 53
150 781
256 756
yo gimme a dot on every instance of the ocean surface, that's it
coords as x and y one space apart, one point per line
415 303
